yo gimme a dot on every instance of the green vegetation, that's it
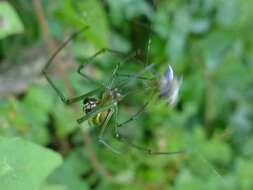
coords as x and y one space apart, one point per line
208 42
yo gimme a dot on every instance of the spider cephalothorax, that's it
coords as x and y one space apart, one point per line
89 104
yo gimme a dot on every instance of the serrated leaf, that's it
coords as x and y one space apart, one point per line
24 165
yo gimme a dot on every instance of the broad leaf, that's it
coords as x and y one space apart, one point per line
24 165
9 21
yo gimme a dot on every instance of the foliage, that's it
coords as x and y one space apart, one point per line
9 21
24 165
208 42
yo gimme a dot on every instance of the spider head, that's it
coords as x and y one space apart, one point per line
89 104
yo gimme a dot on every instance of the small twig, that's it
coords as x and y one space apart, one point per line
43 25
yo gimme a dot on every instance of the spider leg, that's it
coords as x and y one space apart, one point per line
147 150
134 116
67 101
115 71
123 75
102 131
129 142
73 36
115 125
96 111
91 59
135 76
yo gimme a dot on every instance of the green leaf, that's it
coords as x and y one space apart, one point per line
53 187
247 148
9 21
120 10
95 17
244 173
65 120
90 13
71 171
227 12
35 109
24 165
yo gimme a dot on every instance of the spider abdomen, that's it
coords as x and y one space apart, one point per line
99 118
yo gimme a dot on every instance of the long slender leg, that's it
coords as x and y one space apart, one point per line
97 111
115 71
123 75
134 116
81 97
74 35
102 131
129 142
114 74
135 76
115 125
91 59
67 101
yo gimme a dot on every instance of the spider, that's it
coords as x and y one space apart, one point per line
102 104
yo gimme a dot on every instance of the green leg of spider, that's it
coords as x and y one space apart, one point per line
114 74
125 60
131 75
74 35
67 101
97 111
105 125
115 125
91 59
135 76
124 139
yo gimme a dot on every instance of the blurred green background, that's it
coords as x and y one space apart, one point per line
208 42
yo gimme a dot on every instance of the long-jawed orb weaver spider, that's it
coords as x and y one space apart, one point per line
100 110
